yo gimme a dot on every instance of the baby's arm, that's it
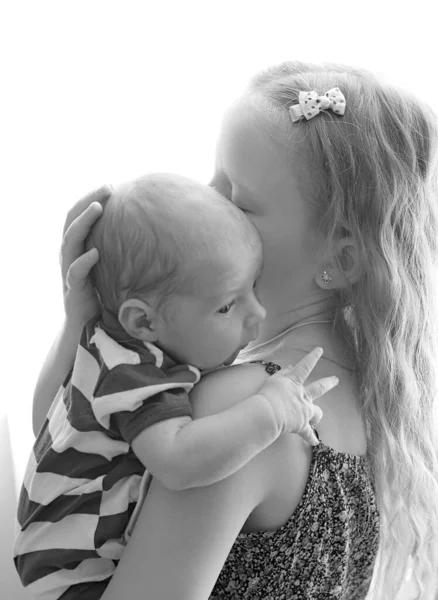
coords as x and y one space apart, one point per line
183 453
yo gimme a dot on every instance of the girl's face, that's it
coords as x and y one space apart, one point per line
264 180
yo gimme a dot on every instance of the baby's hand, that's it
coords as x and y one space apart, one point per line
292 402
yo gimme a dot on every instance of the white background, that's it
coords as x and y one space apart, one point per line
100 91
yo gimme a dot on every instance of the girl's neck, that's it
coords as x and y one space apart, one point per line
273 325
304 338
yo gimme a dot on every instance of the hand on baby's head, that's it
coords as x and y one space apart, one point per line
80 299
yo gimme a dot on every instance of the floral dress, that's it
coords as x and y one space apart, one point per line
327 548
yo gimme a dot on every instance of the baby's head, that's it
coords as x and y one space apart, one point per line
178 264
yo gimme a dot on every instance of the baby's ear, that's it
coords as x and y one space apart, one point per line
137 318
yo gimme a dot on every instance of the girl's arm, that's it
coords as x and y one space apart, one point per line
80 300
182 538
56 367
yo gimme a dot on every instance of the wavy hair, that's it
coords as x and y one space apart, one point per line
375 170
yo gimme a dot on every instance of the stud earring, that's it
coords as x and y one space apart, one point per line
325 277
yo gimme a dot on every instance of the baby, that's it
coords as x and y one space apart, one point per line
176 276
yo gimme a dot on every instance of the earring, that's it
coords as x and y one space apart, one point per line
325 277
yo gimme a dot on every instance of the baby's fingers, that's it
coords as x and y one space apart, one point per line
304 367
309 435
320 387
316 417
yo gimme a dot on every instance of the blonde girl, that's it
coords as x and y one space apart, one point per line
346 206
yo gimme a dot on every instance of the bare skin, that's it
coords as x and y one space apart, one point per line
255 173
200 528
182 538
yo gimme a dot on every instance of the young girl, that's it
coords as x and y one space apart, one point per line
346 206
176 277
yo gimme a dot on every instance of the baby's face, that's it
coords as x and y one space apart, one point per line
209 327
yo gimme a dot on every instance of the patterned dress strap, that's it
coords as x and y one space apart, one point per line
270 367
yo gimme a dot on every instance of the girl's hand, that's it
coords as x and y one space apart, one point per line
80 299
292 402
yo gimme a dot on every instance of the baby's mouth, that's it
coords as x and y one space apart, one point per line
230 360
233 357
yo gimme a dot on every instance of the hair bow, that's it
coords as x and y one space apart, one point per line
310 104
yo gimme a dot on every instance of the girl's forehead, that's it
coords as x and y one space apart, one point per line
248 149
268 170
240 132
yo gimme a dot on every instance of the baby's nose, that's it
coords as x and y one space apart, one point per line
261 312
258 312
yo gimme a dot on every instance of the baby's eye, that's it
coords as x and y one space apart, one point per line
256 282
226 308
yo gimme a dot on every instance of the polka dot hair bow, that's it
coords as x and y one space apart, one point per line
310 104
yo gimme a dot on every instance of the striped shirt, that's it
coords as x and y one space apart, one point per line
83 481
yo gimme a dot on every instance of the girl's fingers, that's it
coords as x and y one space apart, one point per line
80 227
81 267
73 242
320 387
95 196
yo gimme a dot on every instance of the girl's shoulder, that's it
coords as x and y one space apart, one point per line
223 388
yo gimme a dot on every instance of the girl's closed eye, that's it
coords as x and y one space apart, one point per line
240 205
241 199
222 185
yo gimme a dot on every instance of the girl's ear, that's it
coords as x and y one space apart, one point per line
138 318
348 253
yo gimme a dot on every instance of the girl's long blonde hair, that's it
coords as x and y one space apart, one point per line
375 170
